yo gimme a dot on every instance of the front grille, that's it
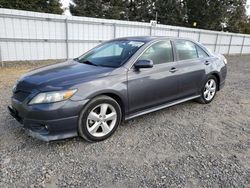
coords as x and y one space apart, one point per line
20 95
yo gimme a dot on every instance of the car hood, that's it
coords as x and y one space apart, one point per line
60 76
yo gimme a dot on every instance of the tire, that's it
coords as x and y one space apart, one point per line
99 119
211 91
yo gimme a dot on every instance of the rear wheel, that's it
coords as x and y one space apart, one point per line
209 90
99 119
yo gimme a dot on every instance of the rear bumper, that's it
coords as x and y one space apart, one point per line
48 122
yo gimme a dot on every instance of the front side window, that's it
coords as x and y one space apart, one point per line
185 50
160 52
111 54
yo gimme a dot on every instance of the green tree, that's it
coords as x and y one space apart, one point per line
170 12
111 9
247 27
208 14
236 18
47 6
140 10
87 8
114 9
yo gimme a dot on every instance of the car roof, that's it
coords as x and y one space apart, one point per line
146 38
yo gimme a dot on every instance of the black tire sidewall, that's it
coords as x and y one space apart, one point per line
82 127
202 92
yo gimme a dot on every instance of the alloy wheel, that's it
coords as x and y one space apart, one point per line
210 89
101 120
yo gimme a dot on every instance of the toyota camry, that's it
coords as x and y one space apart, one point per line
120 79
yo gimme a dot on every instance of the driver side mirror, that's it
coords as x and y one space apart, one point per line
144 64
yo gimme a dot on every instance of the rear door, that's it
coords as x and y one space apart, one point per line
191 67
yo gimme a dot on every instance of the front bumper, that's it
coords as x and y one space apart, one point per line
223 75
48 122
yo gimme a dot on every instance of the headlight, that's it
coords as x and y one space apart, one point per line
225 61
54 96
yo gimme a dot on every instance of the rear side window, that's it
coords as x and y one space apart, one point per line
201 52
186 50
160 52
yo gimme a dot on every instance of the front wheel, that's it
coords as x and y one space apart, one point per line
99 119
209 90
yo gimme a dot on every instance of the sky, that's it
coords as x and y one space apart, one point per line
65 4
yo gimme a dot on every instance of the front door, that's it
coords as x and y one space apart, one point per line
148 87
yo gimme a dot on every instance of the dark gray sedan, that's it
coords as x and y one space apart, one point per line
117 80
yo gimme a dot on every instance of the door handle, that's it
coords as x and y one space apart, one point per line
207 63
173 69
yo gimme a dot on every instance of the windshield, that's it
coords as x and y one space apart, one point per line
111 54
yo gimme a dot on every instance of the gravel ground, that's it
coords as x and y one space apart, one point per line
188 145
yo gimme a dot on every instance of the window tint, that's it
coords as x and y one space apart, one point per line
161 52
201 52
186 50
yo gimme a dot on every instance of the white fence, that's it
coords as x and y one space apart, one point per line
28 35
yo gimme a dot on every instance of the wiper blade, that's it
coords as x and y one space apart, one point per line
89 63
76 59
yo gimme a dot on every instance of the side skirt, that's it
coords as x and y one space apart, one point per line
143 112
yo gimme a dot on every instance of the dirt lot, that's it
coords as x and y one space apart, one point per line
188 145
